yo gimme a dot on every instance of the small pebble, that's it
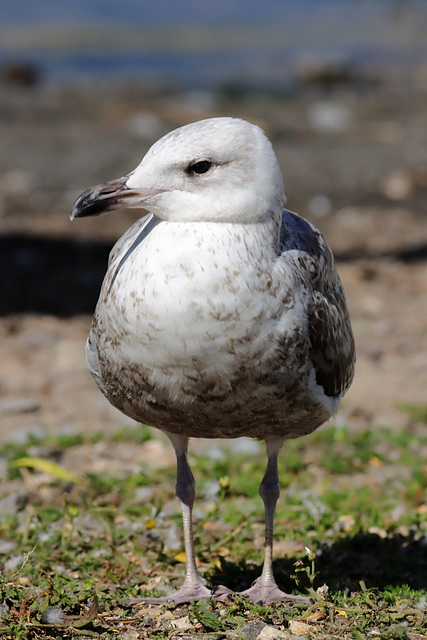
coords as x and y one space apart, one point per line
144 125
298 628
329 117
4 609
18 405
320 206
6 546
14 562
251 630
53 615
26 433
182 623
11 504
271 633
397 186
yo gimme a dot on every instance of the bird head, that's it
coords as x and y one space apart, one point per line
217 170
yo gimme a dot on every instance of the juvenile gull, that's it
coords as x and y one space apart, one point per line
221 314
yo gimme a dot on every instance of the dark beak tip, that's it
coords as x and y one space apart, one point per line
75 211
99 199
89 204
76 208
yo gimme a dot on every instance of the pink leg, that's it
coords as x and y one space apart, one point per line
265 589
194 586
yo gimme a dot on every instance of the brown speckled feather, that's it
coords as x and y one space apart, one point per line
332 348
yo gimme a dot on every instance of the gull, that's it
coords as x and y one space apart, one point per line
221 314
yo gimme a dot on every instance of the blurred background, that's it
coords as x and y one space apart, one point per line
340 87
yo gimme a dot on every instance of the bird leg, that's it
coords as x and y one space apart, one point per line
265 589
194 586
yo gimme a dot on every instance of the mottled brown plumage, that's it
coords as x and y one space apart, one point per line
221 315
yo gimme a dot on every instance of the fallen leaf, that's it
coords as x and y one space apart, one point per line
316 615
46 466
180 556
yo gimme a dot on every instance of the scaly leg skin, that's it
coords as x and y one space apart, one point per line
265 590
194 586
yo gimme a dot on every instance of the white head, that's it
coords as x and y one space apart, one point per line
221 169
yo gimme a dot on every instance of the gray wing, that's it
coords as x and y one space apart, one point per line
331 349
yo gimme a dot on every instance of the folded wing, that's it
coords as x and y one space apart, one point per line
331 347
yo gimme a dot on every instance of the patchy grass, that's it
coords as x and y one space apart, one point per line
72 554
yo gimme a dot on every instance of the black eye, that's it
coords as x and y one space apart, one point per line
199 167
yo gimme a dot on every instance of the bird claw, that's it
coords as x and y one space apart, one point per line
224 594
263 594
187 593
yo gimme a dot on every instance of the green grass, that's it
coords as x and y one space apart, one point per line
356 499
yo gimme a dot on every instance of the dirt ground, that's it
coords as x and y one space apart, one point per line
354 158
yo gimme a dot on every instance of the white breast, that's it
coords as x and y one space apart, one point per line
192 299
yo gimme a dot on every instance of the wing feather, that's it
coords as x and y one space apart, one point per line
331 347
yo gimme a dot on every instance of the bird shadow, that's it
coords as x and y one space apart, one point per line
43 274
63 276
378 562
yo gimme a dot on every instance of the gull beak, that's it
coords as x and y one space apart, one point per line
109 196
